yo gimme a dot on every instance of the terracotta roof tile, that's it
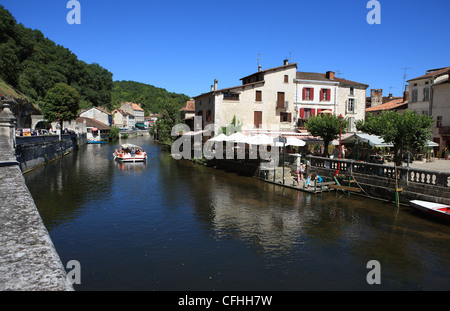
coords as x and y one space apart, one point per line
393 104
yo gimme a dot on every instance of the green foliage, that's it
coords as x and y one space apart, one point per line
151 98
61 103
114 133
34 64
407 130
327 127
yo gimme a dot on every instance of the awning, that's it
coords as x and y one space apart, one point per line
94 129
140 125
373 140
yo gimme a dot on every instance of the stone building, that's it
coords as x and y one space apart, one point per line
325 93
263 102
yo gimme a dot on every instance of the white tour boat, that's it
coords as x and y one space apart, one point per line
130 153
439 211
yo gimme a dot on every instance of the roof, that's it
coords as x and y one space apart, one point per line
93 123
249 84
315 76
189 106
270 69
101 109
393 104
432 73
134 106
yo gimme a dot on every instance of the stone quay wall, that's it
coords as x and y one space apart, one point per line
379 181
34 151
28 258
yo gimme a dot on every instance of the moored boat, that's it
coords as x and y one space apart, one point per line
130 153
96 142
436 210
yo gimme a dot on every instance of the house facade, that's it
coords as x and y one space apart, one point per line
430 95
136 111
99 114
263 102
317 93
123 120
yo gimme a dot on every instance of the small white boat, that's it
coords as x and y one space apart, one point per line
130 153
437 210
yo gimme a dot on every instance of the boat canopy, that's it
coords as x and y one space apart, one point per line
129 146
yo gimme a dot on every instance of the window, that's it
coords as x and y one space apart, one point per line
258 96
439 121
426 94
308 93
208 116
286 79
351 105
352 91
325 95
281 103
414 95
230 96
285 117
258 119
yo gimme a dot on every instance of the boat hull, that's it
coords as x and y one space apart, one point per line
122 158
435 210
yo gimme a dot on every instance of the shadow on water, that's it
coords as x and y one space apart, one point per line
175 225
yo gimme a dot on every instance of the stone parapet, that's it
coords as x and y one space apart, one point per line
28 259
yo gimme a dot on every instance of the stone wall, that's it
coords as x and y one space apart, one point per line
28 259
34 151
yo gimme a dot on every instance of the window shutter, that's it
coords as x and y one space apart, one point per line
290 117
302 113
329 95
311 94
313 112
321 94
318 111
355 105
304 93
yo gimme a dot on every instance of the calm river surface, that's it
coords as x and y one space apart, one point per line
174 225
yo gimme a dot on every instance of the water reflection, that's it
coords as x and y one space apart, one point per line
193 227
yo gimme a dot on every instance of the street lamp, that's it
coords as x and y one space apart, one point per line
340 142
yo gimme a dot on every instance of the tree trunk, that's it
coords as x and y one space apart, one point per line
325 146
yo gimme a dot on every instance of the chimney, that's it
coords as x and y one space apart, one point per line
259 68
406 96
330 75
376 97
216 84
286 62
390 95
212 88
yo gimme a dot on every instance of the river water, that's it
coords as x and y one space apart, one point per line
175 225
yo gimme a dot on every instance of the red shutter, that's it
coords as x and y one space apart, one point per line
321 94
329 95
290 117
302 113
313 112
304 93
318 111
312 93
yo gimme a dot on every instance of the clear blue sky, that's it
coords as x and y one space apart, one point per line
183 46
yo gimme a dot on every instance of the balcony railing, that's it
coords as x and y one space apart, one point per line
444 130
282 105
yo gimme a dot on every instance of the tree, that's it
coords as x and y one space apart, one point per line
60 104
407 130
327 127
